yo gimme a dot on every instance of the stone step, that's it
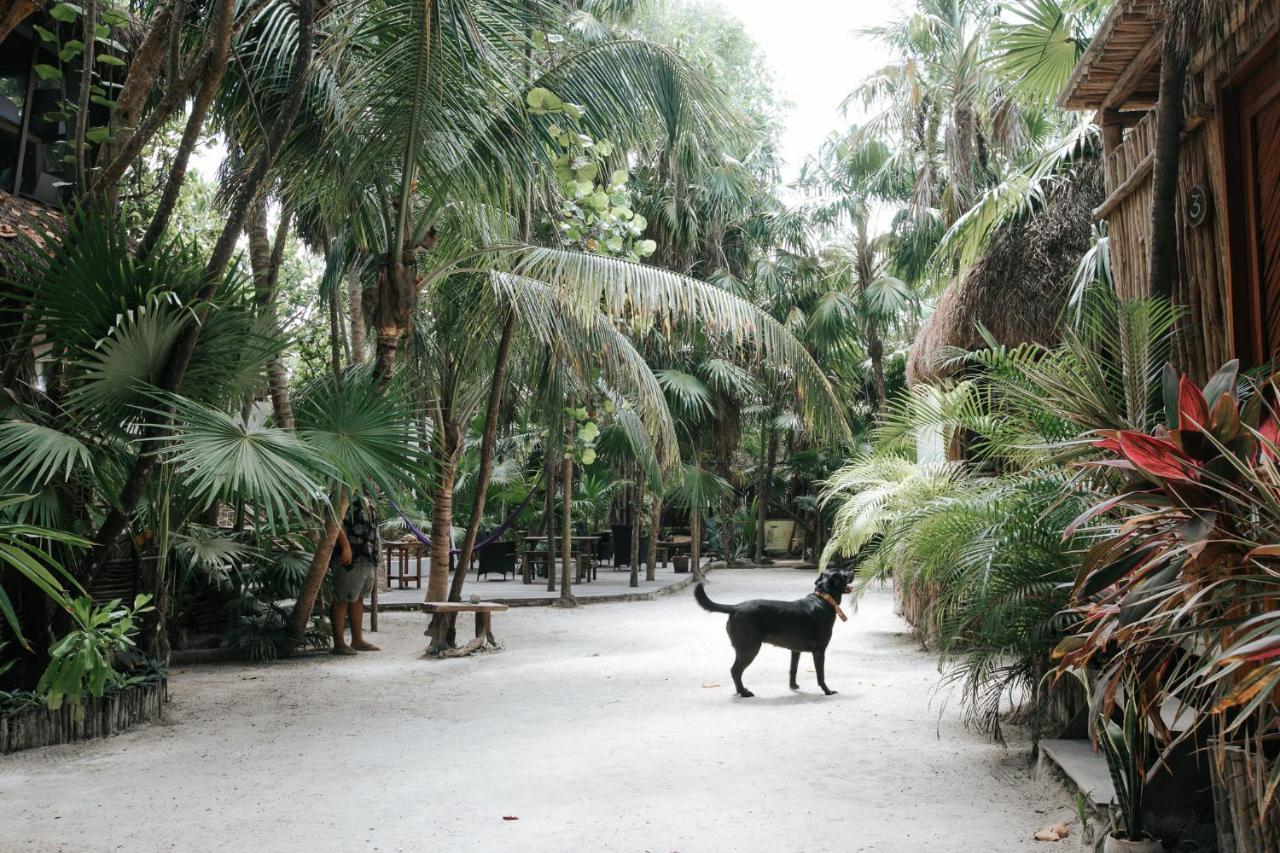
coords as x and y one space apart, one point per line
1084 769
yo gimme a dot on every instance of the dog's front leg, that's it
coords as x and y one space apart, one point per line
819 666
795 667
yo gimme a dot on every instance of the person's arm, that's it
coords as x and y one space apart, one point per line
345 545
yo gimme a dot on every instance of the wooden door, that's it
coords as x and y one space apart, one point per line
1254 209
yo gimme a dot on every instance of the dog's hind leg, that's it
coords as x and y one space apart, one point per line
795 667
746 654
819 666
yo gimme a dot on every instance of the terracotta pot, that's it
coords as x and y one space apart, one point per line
1119 845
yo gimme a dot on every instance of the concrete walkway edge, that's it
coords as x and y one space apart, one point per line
550 600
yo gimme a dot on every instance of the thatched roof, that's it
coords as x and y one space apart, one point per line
1019 286
27 230
1121 68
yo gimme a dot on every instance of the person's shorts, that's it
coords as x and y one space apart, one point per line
353 582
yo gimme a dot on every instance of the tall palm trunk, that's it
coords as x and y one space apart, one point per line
265 261
1162 261
335 334
655 525
636 511
875 344
726 441
875 348
441 532
319 563
695 544
566 533
487 443
199 111
355 310
634 502
549 512
769 450
395 297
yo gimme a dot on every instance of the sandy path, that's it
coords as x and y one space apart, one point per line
593 727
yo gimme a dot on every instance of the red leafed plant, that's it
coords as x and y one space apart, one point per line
1179 595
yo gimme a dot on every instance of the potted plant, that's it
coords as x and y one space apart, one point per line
1126 747
1178 593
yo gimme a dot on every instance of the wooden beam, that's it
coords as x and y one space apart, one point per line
1129 80
1141 172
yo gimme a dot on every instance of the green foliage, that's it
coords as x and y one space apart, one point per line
595 211
82 663
23 549
980 543
1126 746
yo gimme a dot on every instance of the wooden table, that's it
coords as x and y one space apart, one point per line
401 552
483 610
584 545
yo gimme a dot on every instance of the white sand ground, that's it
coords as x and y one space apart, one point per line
596 727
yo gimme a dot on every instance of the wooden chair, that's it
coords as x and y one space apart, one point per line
400 553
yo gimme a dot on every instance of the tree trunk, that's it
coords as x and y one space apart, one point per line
487 444
335 334
441 532
655 526
89 34
140 80
355 310
128 144
265 261
637 513
633 502
875 348
768 447
566 533
695 545
1162 259
549 513
319 564
394 298
211 81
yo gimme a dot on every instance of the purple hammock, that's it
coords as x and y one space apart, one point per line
483 543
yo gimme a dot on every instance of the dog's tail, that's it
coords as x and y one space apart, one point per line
707 604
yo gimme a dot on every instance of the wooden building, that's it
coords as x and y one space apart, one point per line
1228 208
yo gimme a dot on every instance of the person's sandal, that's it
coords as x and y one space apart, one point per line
366 647
342 650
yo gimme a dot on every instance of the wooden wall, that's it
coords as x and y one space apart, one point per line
1205 338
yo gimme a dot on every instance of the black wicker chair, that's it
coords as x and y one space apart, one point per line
497 557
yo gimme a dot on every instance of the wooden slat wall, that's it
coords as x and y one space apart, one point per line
1205 340
1130 220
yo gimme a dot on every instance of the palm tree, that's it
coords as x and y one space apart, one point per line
114 318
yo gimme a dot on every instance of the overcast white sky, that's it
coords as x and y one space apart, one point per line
817 56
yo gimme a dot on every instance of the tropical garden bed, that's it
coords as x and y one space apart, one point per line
27 722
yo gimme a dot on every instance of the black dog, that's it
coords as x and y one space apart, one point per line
801 626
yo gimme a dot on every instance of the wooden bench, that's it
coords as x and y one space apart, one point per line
483 610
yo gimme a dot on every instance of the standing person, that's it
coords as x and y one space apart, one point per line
353 565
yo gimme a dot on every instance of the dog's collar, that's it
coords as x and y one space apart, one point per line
826 596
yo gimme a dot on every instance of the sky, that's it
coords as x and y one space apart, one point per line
817 56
